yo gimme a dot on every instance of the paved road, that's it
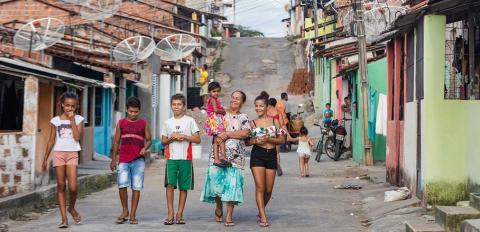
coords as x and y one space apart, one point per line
256 64
309 204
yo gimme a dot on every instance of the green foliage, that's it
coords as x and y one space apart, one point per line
446 193
215 33
292 38
248 32
217 64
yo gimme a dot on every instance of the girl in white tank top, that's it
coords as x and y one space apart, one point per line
304 151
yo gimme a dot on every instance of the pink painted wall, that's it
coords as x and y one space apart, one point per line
339 99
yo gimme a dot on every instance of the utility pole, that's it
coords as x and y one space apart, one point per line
315 17
234 12
362 65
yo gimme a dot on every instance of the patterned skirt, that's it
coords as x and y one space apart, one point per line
226 183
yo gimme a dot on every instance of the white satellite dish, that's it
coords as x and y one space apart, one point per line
379 19
76 2
97 10
134 49
39 34
175 47
348 21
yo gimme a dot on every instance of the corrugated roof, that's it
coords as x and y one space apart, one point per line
61 74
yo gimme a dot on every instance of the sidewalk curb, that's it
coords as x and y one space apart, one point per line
19 204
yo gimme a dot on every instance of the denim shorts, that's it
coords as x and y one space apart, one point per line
131 174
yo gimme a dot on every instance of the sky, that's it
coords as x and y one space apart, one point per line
262 15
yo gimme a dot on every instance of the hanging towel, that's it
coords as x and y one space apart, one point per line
372 109
381 124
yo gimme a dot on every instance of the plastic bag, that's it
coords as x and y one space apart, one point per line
397 195
279 170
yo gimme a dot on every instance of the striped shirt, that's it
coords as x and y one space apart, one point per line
132 139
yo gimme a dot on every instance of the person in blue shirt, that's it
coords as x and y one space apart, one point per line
327 115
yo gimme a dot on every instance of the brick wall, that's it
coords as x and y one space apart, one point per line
17 150
15 163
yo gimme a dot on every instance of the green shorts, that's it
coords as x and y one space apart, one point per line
179 173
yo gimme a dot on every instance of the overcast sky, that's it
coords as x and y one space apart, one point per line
262 15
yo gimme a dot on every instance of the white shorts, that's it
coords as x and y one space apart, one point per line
302 155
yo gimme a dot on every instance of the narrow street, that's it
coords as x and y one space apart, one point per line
308 204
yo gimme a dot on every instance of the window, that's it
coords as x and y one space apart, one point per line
402 82
11 103
410 66
98 106
461 78
419 61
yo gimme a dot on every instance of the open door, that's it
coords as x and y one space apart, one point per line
103 121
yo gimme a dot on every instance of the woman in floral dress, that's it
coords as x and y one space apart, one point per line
225 184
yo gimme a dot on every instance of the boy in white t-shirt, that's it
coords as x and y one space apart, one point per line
178 134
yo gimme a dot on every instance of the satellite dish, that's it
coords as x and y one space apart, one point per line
348 22
379 19
76 2
175 47
39 34
134 49
97 10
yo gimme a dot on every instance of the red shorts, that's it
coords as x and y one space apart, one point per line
61 158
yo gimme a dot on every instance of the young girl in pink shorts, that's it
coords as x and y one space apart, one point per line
65 133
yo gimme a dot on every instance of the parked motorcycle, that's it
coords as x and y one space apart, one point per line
334 144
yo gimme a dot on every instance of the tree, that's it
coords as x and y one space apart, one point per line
249 32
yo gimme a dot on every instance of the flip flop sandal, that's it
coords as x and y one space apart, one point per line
229 224
180 221
259 219
121 220
77 219
63 226
134 221
263 224
168 222
219 216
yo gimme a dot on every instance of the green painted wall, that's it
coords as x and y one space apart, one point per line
451 139
377 79
318 88
445 152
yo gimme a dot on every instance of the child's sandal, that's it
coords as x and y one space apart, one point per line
180 221
134 221
168 222
121 220
263 224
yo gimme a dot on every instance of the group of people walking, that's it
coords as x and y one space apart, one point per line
231 132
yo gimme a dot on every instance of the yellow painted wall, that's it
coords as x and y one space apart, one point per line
321 30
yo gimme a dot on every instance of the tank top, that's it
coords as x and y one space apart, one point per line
132 139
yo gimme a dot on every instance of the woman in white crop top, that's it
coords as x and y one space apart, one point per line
266 134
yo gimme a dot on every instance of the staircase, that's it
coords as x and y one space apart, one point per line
451 218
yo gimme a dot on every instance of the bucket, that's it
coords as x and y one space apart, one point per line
297 124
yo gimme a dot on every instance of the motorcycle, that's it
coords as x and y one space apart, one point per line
334 144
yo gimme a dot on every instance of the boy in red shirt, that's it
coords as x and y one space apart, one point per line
135 139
